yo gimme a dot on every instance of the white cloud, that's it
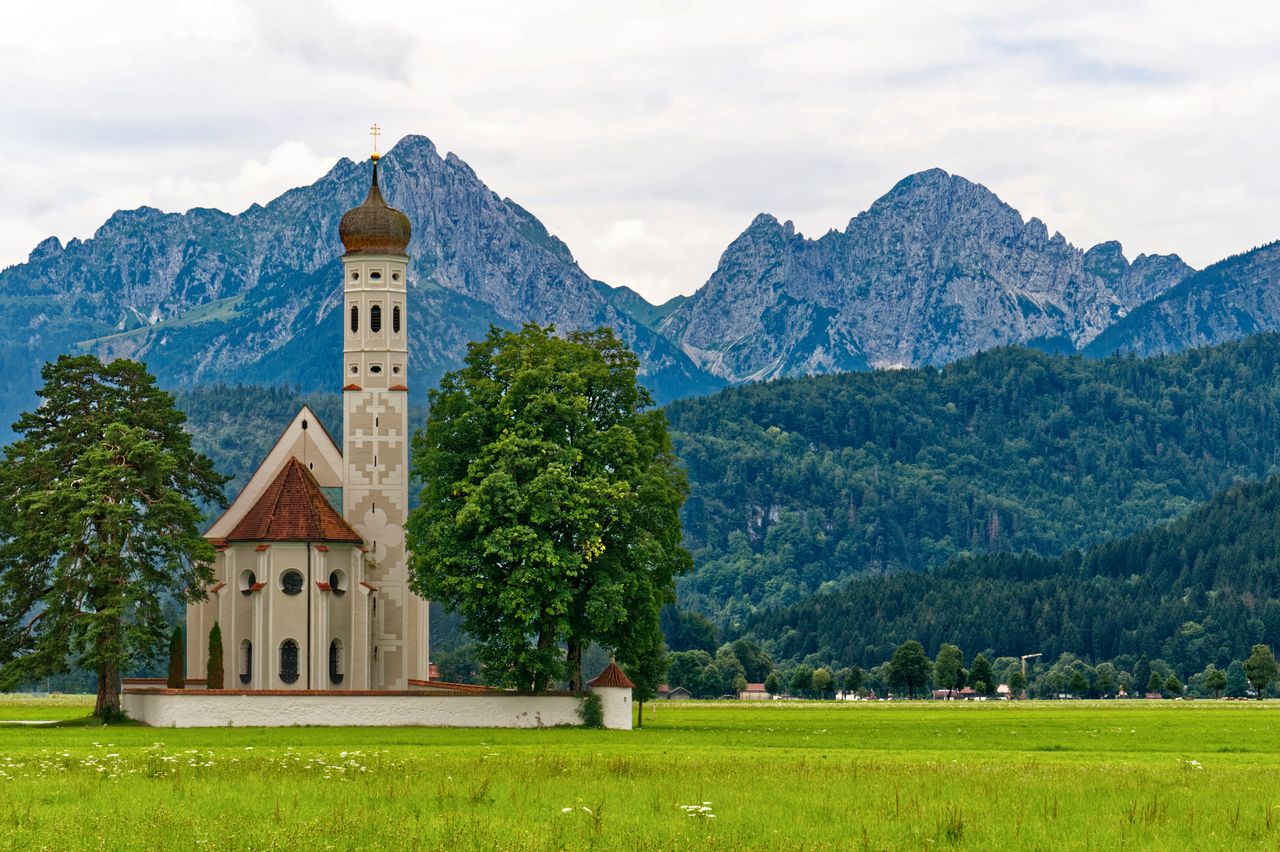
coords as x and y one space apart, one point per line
648 136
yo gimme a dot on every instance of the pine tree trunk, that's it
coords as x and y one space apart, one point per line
107 707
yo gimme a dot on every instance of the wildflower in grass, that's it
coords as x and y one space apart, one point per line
703 810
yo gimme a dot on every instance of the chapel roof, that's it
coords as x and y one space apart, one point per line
612 676
293 508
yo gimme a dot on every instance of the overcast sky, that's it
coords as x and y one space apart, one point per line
648 139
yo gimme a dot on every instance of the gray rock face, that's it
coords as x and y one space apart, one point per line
1228 300
935 270
206 296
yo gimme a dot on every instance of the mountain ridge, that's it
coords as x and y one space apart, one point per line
937 268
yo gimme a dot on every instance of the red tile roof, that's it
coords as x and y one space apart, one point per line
293 508
612 676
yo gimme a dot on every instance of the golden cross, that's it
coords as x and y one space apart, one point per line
374 131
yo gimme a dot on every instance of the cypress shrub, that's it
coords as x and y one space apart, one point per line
177 661
215 673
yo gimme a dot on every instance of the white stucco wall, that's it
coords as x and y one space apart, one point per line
199 709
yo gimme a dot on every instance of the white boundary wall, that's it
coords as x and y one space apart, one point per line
213 708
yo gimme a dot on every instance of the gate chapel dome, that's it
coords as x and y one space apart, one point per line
374 227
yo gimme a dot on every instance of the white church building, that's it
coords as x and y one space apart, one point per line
318 623
307 597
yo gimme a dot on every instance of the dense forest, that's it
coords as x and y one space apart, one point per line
799 485
1198 590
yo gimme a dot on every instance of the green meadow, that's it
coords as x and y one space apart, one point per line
1037 775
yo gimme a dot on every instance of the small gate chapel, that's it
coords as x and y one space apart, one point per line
312 588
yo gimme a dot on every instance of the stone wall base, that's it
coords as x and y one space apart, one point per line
200 708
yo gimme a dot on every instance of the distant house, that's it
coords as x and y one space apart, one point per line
678 694
1154 696
754 692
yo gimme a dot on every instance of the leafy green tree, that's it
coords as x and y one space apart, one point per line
457 664
822 682
981 676
1106 680
772 684
728 671
1141 675
1173 686
549 516
215 675
647 668
802 681
1214 679
1237 682
1260 668
1155 683
855 680
909 667
947 668
177 661
1078 683
687 668
840 680
1017 683
756 663
98 525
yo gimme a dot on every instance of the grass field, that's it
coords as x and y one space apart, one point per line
1084 775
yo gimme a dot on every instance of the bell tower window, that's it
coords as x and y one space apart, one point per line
355 318
395 319
375 318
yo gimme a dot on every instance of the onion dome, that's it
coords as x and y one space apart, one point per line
374 227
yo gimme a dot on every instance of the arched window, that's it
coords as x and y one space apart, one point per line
338 583
289 661
246 662
291 582
247 581
355 318
395 319
375 318
335 661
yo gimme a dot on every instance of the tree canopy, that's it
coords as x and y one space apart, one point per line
98 525
549 516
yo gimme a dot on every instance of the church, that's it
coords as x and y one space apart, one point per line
312 587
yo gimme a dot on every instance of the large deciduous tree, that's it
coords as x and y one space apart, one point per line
550 506
909 667
99 524
948 668
1260 668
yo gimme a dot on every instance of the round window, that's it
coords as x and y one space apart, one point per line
291 582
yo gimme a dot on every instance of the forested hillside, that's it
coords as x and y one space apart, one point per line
1199 590
800 484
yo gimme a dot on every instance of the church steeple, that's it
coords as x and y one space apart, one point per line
375 433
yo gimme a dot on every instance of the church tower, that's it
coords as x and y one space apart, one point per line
375 430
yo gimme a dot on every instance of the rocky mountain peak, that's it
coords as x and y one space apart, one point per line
937 268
